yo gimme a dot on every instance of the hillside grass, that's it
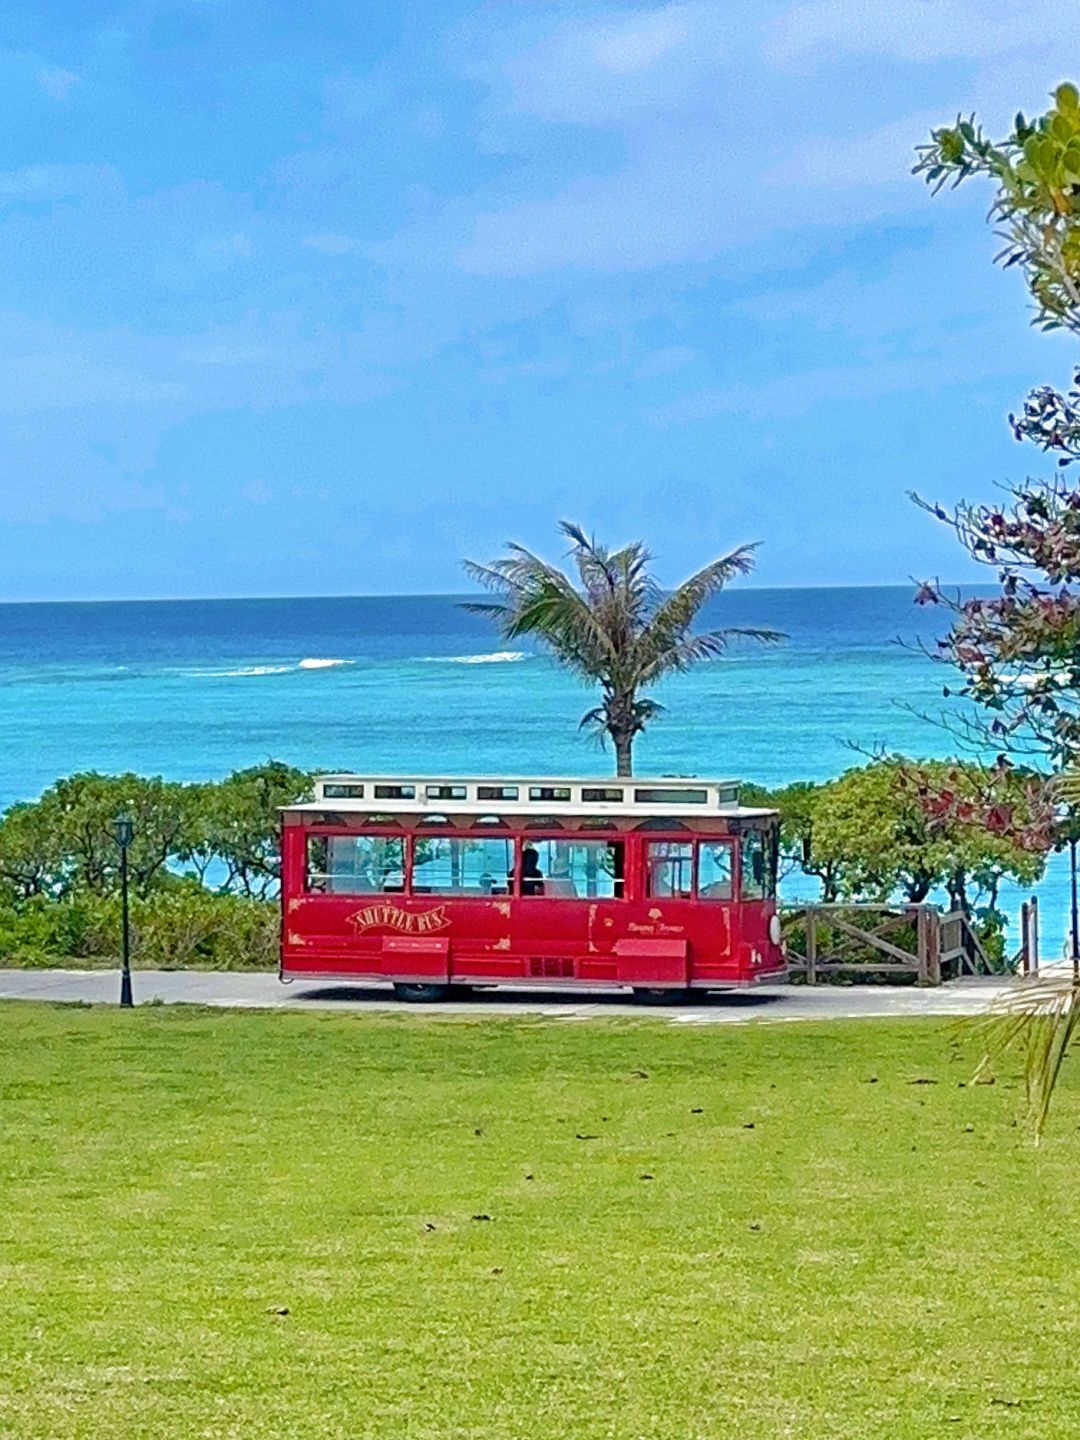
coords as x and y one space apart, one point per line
248 1224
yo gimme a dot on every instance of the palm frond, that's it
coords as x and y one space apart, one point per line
607 620
1038 1017
682 653
489 576
681 607
490 609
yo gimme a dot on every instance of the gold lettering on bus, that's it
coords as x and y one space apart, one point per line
386 916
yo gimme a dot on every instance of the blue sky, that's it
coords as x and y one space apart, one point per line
319 299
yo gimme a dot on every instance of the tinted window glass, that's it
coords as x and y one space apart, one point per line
666 795
454 865
573 869
757 877
715 864
669 868
355 864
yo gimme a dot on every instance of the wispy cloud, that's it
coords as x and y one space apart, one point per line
56 182
332 243
919 30
57 82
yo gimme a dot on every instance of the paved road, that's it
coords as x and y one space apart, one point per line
768 1002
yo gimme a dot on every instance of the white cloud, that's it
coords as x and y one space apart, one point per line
666 360
35 383
606 67
919 30
878 157
683 89
57 82
628 48
332 243
54 182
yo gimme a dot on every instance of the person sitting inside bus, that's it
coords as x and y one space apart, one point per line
532 877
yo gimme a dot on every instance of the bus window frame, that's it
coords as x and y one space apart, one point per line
571 837
344 832
659 838
734 848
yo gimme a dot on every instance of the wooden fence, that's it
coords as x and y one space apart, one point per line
888 940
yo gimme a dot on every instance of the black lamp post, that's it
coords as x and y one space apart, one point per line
123 834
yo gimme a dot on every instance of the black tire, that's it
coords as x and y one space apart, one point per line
420 994
658 995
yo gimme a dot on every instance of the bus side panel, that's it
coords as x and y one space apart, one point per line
759 957
652 962
713 953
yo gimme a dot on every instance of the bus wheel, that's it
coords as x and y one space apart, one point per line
658 995
405 990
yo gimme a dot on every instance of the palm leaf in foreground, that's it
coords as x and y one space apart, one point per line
1037 1017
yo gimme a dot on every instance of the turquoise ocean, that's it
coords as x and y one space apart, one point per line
193 689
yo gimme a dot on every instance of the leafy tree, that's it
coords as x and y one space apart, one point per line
883 831
612 625
1036 171
796 803
900 827
64 841
236 825
1018 653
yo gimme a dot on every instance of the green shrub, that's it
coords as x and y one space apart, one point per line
180 927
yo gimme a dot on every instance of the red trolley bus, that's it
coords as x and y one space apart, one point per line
662 885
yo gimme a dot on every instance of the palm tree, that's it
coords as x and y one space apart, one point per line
612 625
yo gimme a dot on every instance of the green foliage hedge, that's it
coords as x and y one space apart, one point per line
205 864
180 928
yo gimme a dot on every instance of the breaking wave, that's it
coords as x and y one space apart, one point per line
242 672
495 657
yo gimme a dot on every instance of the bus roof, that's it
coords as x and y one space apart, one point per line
523 795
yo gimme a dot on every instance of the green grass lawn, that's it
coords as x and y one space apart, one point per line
514 1229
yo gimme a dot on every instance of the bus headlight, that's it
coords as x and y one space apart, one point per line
775 933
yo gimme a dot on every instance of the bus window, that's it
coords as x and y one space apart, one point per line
757 873
669 868
456 865
714 870
355 864
586 869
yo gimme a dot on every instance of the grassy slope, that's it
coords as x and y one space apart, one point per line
860 1263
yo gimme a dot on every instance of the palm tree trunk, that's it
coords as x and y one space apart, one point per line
624 745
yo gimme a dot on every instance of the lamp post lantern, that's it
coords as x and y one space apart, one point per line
123 834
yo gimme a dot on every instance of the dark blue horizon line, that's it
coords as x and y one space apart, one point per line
451 595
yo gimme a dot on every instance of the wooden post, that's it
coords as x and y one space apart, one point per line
811 945
1025 939
933 955
922 944
1034 913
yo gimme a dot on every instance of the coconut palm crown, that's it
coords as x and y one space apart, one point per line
612 625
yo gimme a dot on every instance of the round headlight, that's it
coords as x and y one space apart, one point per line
775 933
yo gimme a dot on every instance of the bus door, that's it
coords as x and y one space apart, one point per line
569 906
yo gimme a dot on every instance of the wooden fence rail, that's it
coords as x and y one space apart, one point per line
903 940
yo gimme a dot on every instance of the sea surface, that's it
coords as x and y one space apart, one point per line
193 689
